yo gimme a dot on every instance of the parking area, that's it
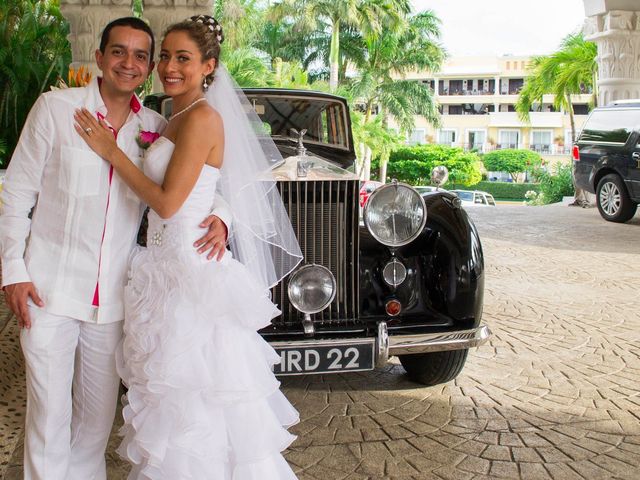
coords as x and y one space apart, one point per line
554 394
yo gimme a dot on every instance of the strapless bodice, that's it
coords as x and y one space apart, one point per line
182 229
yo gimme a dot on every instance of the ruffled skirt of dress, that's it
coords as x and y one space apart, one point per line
202 400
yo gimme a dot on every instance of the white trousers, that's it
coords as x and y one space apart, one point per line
66 435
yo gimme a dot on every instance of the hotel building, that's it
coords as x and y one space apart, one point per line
477 97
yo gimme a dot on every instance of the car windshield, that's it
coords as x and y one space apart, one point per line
324 120
465 196
490 199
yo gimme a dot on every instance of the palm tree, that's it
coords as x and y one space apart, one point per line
374 135
371 16
279 39
289 75
566 72
34 52
245 19
247 67
393 54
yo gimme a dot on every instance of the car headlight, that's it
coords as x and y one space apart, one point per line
395 214
312 288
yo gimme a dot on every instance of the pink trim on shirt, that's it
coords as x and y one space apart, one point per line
96 294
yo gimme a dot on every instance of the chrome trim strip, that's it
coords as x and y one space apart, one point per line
322 343
382 344
404 344
438 342
597 142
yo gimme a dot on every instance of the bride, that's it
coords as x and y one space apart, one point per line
202 401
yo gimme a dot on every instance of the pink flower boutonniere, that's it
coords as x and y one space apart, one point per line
145 138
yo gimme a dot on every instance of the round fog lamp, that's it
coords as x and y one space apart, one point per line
394 273
312 288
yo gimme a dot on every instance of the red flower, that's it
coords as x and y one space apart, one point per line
145 139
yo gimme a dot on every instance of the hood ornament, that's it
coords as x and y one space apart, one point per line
304 164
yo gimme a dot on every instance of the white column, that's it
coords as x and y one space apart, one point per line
87 19
614 25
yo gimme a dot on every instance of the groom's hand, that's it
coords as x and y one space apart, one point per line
16 296
215 240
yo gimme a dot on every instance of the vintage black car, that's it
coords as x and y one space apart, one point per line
402 277
607 159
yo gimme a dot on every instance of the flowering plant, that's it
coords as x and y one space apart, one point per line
75 78
146 138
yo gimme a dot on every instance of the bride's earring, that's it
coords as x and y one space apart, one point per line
205 85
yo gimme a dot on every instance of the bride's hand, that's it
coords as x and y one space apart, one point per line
96 133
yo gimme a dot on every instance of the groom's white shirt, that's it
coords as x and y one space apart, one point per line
83 226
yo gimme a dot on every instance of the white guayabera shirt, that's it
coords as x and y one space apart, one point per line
75 247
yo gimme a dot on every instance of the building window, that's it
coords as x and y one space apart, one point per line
447 137
417 136
455 109
508 138
476 139
541 141
581 109
515 85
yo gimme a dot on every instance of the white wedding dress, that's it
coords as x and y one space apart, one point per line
202 400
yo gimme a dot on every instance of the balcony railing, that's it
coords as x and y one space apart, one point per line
552 149
462 92
540 148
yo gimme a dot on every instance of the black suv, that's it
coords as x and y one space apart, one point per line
607 159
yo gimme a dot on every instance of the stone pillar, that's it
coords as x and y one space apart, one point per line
162 13
614 25
87 19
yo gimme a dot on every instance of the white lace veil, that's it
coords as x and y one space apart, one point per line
261 235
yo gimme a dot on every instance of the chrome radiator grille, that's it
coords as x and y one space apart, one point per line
324 215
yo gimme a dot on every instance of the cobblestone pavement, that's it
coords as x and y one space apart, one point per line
554 394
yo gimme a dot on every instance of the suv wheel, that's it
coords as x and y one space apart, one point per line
613 201
434 368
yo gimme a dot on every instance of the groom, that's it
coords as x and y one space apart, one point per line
67 225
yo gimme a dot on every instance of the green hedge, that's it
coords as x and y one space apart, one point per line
500 190
413 164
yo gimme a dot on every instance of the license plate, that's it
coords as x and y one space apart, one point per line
333 358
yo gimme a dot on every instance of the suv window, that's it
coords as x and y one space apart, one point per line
610 125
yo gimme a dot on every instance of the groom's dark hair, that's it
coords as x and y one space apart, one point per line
133 22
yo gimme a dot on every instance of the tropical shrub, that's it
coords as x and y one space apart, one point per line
534 198
34 52
3 151
511 161
413 165
556 185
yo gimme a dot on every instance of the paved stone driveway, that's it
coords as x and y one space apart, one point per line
553 395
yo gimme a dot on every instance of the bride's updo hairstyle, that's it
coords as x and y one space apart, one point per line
206 32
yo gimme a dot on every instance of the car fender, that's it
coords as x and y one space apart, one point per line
445 270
